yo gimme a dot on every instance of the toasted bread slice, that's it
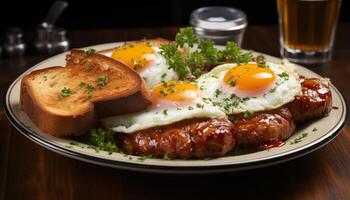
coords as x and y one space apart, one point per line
68 100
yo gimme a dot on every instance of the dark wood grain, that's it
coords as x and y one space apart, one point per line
28 171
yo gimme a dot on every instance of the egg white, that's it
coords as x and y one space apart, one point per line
158 71
153 117
283 91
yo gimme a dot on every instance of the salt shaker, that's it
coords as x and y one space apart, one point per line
43 40
220 24
60 43
14 45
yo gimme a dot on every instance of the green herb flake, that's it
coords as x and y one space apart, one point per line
284 75
137 66
166 157
260 61
165 112
190 108
143 158
65 92
247 114
314 129
217 93
88 52
299 138
88 68
272 90
198 105
163 92
73 143
102 81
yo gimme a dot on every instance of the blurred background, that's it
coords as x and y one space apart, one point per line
126 14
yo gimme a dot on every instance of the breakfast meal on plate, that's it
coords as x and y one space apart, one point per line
173 99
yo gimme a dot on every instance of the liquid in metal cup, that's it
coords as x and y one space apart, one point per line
220 24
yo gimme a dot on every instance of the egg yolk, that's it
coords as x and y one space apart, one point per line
178 91
137 56
249 79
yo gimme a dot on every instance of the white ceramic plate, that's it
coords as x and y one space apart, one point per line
327 129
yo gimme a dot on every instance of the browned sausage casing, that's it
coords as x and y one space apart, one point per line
315 101
196 138
264 127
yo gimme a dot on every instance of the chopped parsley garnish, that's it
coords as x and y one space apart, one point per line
88 87
137 65
245 98
284 75
103 139
73 143
314 129
232 83
163 92
143 158
88 52
65 92
198 105
189 63
260 60
169 88
163 76
272 90
231 118
217 93
166 157
299 138
88 68
247 114
165 112
102 81
190 108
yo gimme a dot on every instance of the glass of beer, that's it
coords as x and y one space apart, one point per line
307 29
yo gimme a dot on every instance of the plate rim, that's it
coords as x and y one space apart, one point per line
166 169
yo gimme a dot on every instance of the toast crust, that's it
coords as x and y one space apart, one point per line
76 114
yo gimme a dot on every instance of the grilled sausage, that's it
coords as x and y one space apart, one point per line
195 138
263 127
314 102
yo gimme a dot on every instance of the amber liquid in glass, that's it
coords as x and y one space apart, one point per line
308 25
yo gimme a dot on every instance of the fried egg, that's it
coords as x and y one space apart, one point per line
250 87
172 101
144 58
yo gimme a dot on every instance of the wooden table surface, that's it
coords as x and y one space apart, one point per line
28 171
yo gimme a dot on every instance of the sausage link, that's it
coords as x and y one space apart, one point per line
196 138
264 127
314 102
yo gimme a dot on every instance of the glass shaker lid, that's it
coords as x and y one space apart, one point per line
223 19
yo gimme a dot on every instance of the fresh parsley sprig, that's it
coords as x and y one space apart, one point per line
103 139
190 56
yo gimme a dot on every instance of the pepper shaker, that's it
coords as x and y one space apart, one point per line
51 39
14 45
